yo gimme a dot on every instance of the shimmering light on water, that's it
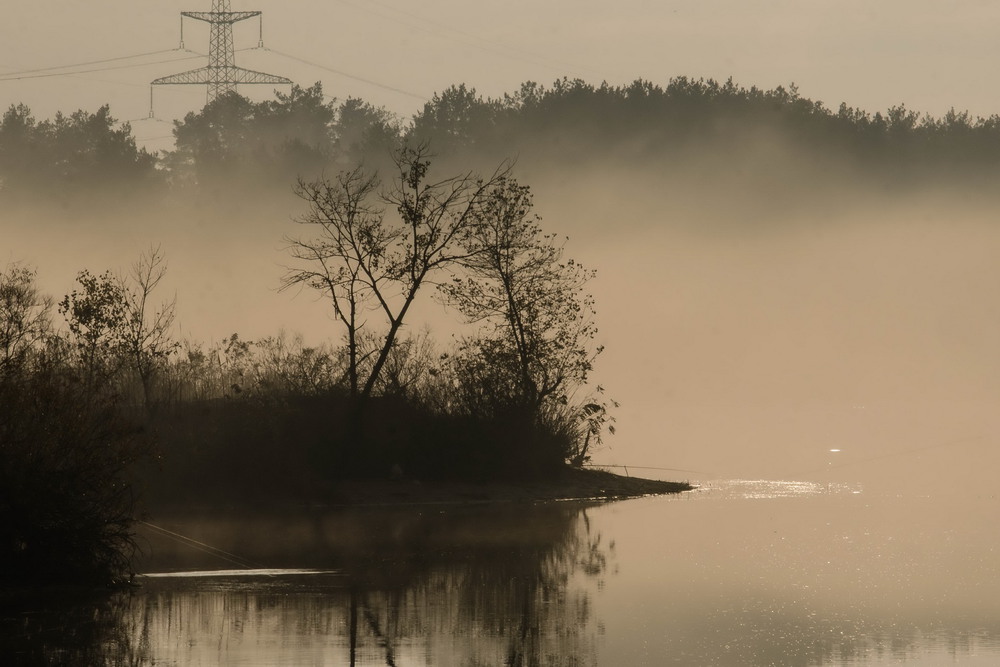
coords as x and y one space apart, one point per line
766 488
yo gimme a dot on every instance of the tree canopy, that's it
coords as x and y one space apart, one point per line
262 146
69 154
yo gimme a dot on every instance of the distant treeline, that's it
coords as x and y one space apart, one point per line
236 141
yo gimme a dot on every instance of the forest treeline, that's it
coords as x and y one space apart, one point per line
234 141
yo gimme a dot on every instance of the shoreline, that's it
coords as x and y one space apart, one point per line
569 484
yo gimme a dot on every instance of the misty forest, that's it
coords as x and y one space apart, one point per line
112 409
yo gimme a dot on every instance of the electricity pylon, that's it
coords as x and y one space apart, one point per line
222 75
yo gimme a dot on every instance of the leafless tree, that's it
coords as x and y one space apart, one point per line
146 338
374 247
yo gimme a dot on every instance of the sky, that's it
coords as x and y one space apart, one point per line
930 56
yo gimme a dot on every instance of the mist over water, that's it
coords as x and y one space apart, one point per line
746 334
736 573
752 346
833 349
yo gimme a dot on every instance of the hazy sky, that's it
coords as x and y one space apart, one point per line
929 55
860 318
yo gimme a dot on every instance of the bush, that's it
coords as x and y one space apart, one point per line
66 509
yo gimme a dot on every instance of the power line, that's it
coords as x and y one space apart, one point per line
147 118
350 76
49 72
221 75
85 64
97 69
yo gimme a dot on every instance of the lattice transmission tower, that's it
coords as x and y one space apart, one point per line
221 75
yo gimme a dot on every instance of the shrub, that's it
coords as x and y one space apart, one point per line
65 506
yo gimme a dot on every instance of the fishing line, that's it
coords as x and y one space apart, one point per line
609 465
206 548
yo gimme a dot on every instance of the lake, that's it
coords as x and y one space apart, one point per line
738 572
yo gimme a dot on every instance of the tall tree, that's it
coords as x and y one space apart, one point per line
364 132
69 154
536 345
146 339
374 247
235 140
96 315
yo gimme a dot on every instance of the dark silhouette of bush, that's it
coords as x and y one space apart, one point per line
246 450
66 508
266 450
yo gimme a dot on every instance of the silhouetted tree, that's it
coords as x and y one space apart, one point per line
365 133
25 315
65 504
455 119
233 140
364 260
69 154
97 316
145 338
537 325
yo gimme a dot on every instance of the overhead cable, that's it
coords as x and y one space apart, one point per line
350 76
85 64
96 69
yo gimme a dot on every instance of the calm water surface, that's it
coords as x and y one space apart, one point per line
736 573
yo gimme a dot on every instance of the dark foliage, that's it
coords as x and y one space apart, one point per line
79 154
261 451
574 121
66 443
65 506
235 142
262 147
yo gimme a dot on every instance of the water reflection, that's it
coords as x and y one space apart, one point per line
507 585
745 573
737 573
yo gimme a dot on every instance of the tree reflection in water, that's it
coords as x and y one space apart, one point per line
470 586
68 628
